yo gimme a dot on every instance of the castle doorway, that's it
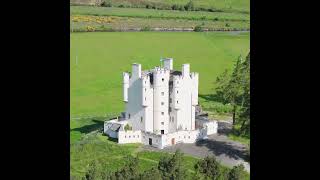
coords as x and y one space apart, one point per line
173 141
150 141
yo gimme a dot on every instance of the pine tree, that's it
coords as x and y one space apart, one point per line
237 173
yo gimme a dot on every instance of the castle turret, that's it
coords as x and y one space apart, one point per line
125 86
136 71
168 63
186 70
161 100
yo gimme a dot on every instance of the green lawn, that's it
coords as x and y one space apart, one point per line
151 13
96 80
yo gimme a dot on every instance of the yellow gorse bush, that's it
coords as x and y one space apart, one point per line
96 19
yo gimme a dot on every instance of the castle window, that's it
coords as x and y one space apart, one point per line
189 137
133 136
138 136
129 136
162 79
169 109
172 119
162 123
145 89
162 113
145 82
177 92
170 100
145 98
129 116
162 103
141 119
177 102
125 136
162 93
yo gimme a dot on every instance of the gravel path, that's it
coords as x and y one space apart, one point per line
228 152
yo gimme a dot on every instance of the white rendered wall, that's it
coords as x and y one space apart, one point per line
129 137
161 100
134 108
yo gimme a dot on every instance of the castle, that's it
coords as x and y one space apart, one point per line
160 108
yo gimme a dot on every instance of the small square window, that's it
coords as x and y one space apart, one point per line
170 100
145 98
169 109
162 123
162 113
162 79
162 103
189 137
177 92
129 136
125 136
145 82
177 102
162 93
138 136
133 136
141 119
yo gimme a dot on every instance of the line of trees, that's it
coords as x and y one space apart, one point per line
169 168
234 88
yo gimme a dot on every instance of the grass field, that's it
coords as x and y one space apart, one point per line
96 77
151 13
224 5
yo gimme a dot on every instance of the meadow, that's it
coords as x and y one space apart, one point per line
222 5
151 13
98 59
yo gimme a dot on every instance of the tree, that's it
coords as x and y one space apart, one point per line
151 174
209 168
94 172
128 172
171 167
237 173
245 113
230 87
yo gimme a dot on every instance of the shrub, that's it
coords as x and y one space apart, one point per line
175 7
203 17
198 28
236 173
189 6
216 19
106 3
127 127
227 25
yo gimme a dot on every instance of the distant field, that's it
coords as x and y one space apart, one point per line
225 5
151 13
96 76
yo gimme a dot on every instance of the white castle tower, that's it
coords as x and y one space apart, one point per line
160 107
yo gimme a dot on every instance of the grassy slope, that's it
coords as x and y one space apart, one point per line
96 82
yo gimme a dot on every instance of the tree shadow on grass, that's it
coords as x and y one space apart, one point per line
224 148
211 97
97 125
